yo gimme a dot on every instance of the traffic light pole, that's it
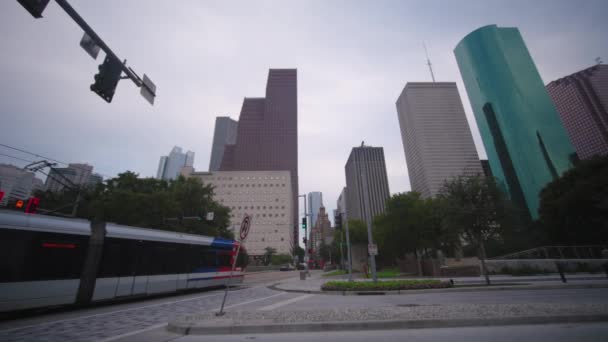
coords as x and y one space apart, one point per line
89 31
306 256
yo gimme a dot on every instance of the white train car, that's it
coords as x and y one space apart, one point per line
49 261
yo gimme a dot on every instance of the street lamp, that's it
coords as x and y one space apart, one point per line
306 237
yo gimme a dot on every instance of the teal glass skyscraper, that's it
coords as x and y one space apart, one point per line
526 143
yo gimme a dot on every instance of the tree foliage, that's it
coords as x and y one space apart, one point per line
574 208
357 231
478 210
147 202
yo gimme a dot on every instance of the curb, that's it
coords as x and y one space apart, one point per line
379 325
458 288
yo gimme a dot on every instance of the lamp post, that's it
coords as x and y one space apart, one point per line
306 237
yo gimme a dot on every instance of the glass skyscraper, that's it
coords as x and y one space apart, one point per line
526 143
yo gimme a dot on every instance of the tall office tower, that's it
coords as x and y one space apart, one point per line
17 184
315 202
582 103
78 174
526 143
224 134
267 133
366 182
436 136
169 167
341 206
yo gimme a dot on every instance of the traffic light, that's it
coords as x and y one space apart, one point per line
35 7
1 195
304 222
32 205
304 240
107 78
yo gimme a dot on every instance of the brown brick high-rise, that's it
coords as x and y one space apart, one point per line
267 134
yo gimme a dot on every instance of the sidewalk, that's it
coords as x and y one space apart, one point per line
313 283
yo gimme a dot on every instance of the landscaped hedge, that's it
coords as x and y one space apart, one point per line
389 285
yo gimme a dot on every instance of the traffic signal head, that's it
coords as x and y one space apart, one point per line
107 78
338 221
35 7
304 222
304 240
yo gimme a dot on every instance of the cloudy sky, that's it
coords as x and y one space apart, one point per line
353 60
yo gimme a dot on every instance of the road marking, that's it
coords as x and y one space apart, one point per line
285 302
122 310
114 338
255 300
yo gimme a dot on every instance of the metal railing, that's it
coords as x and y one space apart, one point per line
559 252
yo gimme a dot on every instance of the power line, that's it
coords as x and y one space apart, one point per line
48 158
8 155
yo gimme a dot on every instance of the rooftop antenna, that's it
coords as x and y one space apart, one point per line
428 62
598 60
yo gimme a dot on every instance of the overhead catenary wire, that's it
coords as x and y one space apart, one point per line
47 158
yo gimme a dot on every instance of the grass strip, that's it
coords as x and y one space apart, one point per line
388 285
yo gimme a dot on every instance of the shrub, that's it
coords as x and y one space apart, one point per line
389 285
281 259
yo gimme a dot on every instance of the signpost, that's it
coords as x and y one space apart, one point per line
244 231
89 45
372 249
210 216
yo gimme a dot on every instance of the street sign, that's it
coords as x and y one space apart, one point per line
372 249
148 90
90 46
210 216
245 226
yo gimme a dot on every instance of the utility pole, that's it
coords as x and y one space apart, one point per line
349 255
368 219
428 62
306 256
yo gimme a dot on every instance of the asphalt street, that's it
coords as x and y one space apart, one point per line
128 320
588 332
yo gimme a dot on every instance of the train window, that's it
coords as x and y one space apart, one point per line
119 258
29 255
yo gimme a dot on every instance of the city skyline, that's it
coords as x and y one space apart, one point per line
338 91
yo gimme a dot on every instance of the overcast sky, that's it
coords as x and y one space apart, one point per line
353 60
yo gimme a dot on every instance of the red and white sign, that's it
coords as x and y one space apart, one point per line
245 226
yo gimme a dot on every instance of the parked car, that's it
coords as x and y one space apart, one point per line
301 266
286 267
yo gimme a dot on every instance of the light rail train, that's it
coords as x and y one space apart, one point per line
50 261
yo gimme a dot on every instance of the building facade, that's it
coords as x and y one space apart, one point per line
582 103
223 134
169 167
315 202
341 207
265 195
17 184
525 141
366 182
77 174
436 136
267 133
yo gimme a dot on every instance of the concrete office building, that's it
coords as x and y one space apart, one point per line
223 134
341 206
366 182
524 138
582 103
265 195
169 167
315 202
17 184
436 136
77 174
267 133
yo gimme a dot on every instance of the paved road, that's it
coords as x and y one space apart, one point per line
126 320
588 332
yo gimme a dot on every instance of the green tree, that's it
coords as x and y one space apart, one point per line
325 252
357 231
281 259
268 253
574 207
477 209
